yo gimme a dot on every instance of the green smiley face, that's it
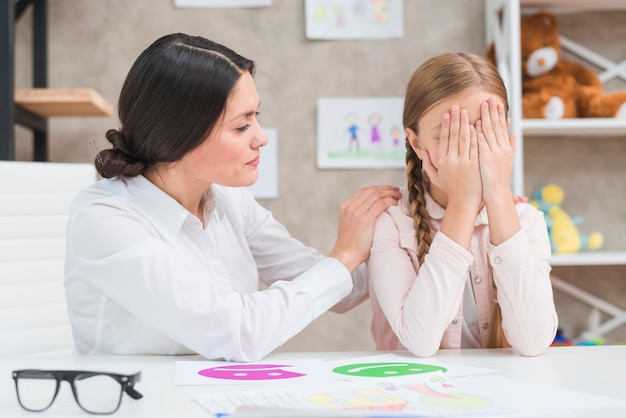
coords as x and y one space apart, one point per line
386 369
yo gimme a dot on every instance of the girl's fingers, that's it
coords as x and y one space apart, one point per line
444 133
464 134
473 142
486 125
497 116
455 126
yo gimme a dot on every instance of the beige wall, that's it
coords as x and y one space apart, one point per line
92 43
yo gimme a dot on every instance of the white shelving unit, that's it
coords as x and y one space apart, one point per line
503 29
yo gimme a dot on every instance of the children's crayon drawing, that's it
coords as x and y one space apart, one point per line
360 133
354 19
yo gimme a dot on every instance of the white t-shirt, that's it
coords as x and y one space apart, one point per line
143 276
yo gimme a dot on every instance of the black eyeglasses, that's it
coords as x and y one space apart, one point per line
95 392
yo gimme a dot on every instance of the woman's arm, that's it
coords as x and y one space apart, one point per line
188 294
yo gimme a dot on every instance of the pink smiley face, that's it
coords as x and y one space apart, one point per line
250 372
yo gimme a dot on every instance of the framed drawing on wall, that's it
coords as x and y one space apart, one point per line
360 132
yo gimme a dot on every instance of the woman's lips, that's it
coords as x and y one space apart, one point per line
254 162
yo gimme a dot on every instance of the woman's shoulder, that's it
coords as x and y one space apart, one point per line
102 189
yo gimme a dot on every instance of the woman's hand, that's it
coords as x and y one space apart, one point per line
357 219
496 149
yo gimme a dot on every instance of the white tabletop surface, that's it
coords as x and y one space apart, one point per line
598 370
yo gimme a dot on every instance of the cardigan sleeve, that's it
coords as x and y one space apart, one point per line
418 302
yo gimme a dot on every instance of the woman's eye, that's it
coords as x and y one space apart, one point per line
247 125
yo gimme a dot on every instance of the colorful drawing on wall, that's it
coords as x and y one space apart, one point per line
222 3
354 19
266 187
360 133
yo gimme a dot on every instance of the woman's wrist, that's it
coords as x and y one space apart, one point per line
348 258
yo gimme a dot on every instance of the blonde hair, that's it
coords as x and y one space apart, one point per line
436 79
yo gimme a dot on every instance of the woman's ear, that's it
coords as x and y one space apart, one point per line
413 139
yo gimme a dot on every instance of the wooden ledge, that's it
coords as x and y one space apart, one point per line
598 5
48 102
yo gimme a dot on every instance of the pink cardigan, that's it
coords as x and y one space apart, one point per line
420 307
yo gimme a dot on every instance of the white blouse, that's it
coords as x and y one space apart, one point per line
143 276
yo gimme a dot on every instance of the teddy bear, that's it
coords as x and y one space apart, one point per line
562 228
556 88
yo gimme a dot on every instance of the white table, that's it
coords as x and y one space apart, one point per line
598 370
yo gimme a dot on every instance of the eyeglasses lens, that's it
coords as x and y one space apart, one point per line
36 391
98 394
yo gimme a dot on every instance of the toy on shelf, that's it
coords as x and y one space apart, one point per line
562 228
560 340
556 88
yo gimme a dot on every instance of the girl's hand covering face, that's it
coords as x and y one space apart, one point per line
457 173
496 148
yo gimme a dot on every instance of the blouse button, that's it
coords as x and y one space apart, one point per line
486 325
497 260
454 322
477 279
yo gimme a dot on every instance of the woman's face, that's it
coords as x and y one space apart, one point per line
231 153
430 123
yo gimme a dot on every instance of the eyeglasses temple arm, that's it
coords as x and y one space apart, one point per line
132 392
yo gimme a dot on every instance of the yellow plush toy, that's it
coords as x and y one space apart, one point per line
562 228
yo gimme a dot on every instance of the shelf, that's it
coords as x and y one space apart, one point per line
576 4
47 102
576 127
589 258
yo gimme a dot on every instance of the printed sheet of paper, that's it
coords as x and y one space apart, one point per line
431 394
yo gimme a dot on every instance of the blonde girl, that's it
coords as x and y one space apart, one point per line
461 262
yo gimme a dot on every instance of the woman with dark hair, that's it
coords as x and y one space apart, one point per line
165 253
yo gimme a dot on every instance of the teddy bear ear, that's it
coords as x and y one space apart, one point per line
490 53
548 19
